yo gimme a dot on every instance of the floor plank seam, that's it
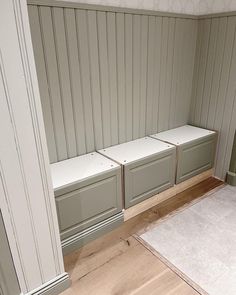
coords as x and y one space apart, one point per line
108 261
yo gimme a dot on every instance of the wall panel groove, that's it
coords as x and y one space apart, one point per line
108 77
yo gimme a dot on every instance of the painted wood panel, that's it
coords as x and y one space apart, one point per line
109 77
213 96
26 195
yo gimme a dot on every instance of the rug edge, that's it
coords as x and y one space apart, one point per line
181 209
171 266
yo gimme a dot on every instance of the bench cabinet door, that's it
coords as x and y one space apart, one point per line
149 176
94 201
195 157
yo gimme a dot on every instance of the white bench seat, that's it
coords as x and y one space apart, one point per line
69 172
148 167
195 149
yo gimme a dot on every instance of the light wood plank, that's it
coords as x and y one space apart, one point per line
120 279
183 289
162 284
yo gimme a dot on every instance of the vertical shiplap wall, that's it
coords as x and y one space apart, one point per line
109 77
214 88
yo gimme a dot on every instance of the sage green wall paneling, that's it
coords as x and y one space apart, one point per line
184 84
75 80
112 70
109 77
43 82
143 77
128 27
47 22
64 80
120 45
95 80
83 48
150 73
213 96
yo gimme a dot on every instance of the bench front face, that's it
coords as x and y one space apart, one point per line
195 157
93 201
149 176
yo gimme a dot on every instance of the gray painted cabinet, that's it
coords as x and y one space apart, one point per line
195 157
93 201
88 192
148 177
196 149
148 167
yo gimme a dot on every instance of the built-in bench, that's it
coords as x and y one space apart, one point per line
88 198
148 167
91 190
195 149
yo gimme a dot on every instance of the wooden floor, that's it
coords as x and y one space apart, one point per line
118 264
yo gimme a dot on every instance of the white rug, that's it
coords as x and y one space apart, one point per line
200 242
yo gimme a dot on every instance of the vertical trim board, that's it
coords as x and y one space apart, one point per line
27 202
